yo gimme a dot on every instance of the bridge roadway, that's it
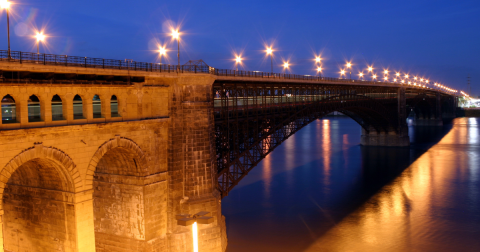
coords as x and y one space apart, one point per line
103 159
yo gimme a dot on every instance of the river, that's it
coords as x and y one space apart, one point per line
321 191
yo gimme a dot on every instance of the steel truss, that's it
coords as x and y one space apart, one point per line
252 119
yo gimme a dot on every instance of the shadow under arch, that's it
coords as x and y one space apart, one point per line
117 174
38 201
235 158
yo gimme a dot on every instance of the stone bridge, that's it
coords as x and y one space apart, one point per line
104 158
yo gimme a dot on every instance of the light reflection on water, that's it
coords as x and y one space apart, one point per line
321 191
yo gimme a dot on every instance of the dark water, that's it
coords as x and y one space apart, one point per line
321 191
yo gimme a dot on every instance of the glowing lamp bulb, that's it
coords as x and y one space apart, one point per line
318 59
385 72
349 64
397 74
238 59
4 4
162 51
269 50
342 72
285 65
370 69
406 76
175 34
361 74
40 36
374 76
319 69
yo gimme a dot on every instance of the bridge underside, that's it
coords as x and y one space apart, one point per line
252 119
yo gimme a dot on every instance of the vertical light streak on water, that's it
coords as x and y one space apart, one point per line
327 149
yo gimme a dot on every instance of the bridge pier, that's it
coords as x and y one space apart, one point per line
192 165
393 137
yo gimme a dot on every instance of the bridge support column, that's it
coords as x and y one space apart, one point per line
192 166
394 137
84 221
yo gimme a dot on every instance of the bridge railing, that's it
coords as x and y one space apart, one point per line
87 62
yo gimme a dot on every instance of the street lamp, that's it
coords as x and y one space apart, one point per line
374 77
361 75
176 35
40 37
5 4
349 66
187 220
370 69
319 71
238 60
342 72
162 51
269 51
285 66
318 59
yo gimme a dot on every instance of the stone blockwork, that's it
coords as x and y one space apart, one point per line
110 183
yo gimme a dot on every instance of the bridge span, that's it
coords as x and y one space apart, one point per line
101 155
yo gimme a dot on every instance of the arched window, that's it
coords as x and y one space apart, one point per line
77 107
34 114
9 110
57 108
97 107
114 106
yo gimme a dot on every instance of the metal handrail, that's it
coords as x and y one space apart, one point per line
87 62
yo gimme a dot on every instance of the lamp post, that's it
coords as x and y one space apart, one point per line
162 51
285 67
374 77
187 220
349 66
361 75
5 4
342 73
319 71
269 51
40 37
238 60
176 35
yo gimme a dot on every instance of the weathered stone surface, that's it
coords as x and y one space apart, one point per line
110 183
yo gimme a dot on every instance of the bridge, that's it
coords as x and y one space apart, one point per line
101 155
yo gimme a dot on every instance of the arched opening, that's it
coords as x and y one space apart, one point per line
77 107
57 108
9 110
34 113
97 107
39 212
118 198
114 106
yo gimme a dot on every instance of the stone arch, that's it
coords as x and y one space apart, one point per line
114 106
78 107
70 170
97 106
119 170
34 109
57 105
10 109
38 212
117 142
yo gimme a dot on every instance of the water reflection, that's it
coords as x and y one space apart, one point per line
345 197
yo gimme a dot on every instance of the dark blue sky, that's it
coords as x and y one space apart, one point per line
436 39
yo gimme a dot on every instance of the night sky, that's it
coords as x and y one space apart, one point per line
439 40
